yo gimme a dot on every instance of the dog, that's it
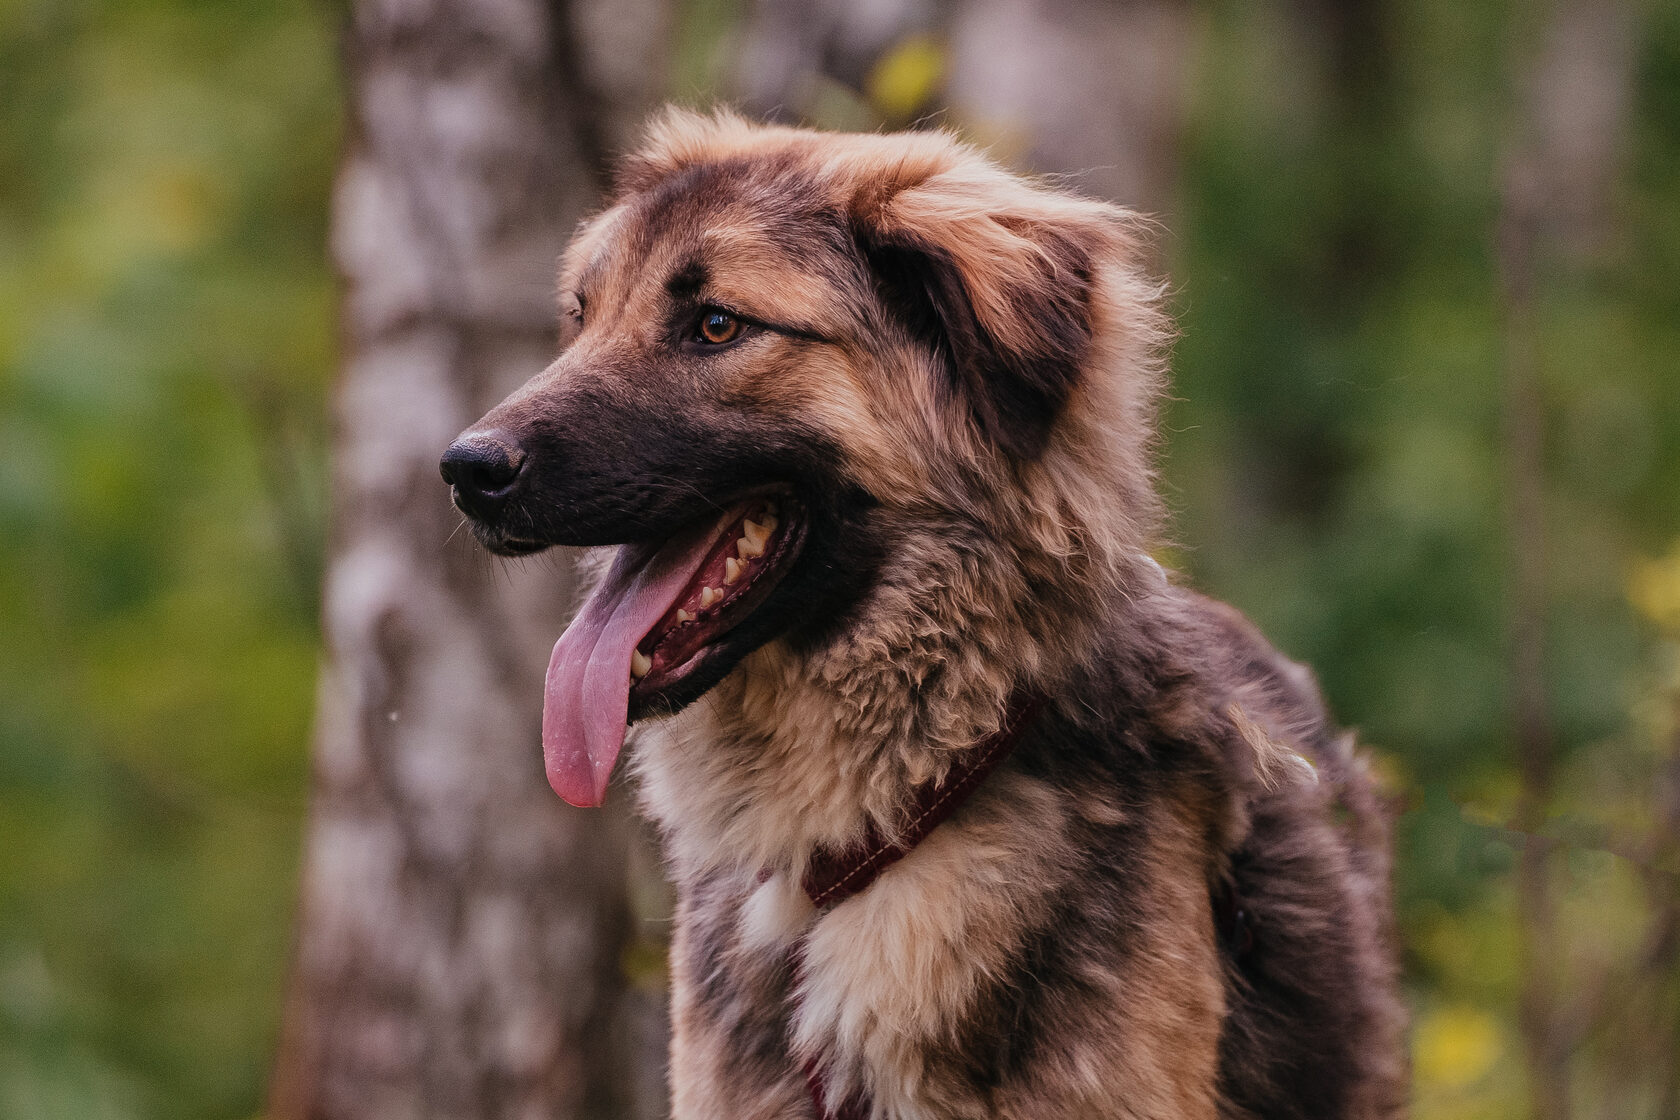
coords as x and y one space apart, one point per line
971 810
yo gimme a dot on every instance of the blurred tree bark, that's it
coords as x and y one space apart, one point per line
459 953
1569 130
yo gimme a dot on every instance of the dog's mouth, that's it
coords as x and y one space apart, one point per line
663 611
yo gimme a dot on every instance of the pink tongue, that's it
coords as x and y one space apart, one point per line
586 698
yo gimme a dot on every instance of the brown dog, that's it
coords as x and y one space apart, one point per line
871 420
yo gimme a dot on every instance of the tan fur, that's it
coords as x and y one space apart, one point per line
835 739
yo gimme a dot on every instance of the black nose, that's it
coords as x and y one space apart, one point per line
483 468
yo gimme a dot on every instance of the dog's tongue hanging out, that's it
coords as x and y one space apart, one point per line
675 598
587 695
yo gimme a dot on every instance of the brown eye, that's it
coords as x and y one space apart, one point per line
717 328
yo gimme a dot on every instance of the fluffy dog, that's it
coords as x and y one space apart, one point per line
871 422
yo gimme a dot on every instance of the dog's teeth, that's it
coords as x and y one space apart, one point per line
708 596
684 616
731 570
751 546
640 663
769 521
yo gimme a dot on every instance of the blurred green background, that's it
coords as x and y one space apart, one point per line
166 340
1338 458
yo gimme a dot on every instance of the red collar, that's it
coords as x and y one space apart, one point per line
834 877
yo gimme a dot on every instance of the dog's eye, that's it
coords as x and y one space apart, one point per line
717 327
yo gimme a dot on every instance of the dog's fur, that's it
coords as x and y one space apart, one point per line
1171 900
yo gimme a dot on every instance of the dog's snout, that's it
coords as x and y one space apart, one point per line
483 467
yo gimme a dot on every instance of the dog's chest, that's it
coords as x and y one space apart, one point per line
869 986
881 990
878 990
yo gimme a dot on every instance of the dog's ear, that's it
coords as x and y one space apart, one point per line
997 274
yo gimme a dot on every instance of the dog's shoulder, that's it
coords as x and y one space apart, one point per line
1177 671
1302 902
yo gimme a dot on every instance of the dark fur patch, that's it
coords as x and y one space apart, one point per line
1015 390
687 281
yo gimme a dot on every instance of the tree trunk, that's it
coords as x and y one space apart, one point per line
1555 202
461 929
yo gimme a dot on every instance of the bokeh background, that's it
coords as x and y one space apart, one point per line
1426 431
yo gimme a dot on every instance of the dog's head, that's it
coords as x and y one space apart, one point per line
771 339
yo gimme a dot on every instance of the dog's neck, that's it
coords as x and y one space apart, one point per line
794 753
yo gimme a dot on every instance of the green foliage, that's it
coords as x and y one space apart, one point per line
165 339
